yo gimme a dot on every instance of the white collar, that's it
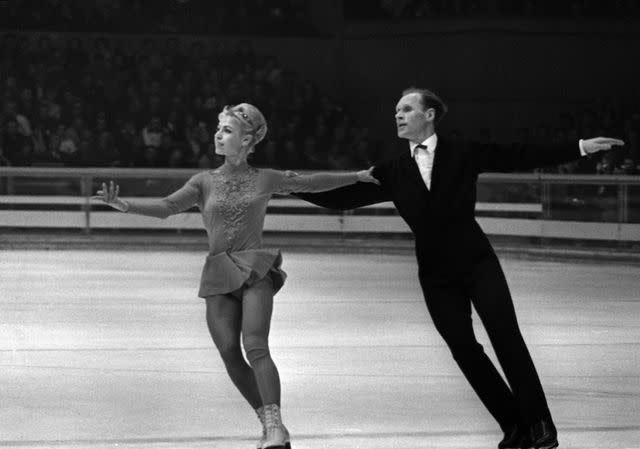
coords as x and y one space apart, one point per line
430 142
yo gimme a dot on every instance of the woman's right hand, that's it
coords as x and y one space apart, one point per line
109 195
367 176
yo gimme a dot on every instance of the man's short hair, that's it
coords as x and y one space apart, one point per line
428 100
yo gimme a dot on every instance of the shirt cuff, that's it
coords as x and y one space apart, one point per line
581 145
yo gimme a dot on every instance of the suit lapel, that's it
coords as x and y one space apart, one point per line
410 195
438 160
413 186
411 174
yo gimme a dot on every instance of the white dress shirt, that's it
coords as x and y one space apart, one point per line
424 157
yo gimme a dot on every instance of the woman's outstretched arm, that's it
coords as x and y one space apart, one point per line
182 199
354 195
289 181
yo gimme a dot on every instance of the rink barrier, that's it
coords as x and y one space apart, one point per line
508 218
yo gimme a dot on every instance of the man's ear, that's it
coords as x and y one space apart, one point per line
430 114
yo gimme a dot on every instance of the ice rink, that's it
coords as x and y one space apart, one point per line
109 349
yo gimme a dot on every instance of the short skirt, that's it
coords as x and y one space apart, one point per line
226 272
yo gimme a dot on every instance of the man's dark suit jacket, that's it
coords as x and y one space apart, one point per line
448 239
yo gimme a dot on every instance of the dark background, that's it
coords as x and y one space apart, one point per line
140 83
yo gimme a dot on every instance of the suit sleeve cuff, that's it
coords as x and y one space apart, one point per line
581 145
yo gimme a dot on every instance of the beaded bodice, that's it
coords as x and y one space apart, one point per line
235 191
233 201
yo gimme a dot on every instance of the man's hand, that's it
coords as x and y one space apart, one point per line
600 144
109 194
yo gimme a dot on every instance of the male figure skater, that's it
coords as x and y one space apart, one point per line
433 186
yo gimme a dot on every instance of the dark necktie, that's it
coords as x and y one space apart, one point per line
426 164
418 147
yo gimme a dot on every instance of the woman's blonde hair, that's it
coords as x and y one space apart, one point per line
251 120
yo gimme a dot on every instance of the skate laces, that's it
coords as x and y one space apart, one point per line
272 416
260 413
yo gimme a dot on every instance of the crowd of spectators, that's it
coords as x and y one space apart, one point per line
159 16
425 9
153 102
615 118
146 101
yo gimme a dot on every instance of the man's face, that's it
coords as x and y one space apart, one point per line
411 118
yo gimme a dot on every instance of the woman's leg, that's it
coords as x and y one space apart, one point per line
224 319
257 306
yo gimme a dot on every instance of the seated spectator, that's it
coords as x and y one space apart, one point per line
54 143
177 158
626 168
12 142
148 158
69 149
152 133
10 112
106 153
127 142
41 154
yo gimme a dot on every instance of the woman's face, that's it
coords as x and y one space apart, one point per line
229 137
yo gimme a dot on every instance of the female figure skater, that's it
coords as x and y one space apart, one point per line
239 277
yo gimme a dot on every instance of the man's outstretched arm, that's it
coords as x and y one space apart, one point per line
504 159
349 197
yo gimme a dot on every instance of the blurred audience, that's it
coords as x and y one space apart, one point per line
111 100
153 102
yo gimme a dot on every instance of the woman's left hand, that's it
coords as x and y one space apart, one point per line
367 176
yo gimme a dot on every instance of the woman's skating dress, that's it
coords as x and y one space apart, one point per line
233 206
